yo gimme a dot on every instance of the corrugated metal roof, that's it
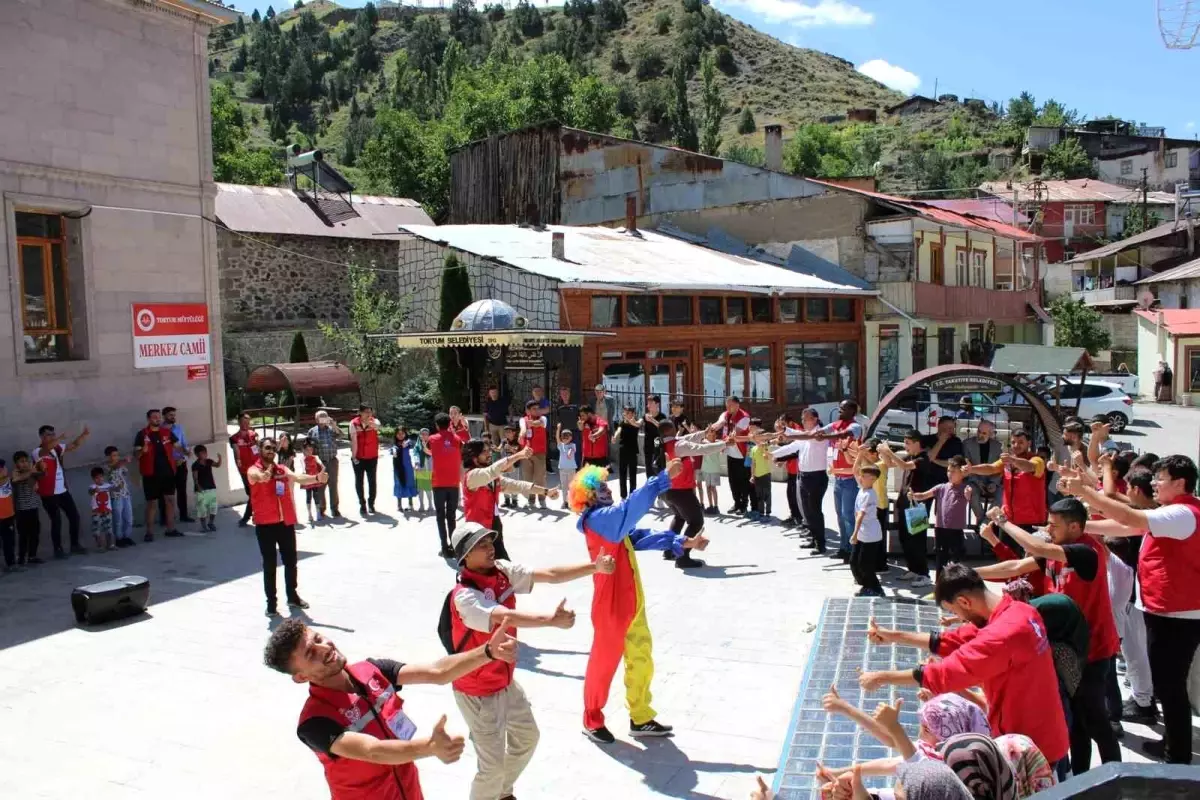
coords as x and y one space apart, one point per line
992 208
1157 232
608 257
268 209
1036 359
1082 190
1183 272
1177 321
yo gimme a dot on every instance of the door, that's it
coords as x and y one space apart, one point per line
937 265
945 346
667 379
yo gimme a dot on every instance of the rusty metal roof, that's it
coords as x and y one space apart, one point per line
993 208
1181 273
269 209
1082 190
311 379
1155 233
1177 321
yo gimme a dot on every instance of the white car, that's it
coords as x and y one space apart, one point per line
921 409
1095 399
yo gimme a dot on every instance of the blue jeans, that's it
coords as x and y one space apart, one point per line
845 491
122 517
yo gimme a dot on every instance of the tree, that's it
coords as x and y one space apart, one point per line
255 18
803 153
712 108
683 127
593 105
456 295
1139 219
744 154
1067 160
1022 110
1054 114
270 13
407 158
299 351
647 61
371 14
233 161
617 60
299 5
725 61
466 24
662 22
240 26
1078 325
746 122
527 19
241 59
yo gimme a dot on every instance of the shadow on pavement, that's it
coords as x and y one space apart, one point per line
723 571
529 658
679 778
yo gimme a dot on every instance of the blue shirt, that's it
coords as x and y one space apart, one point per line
182 443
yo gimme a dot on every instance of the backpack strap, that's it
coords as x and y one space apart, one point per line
469 584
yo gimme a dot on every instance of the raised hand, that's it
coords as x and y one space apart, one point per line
859 791
832 701
697 542
525 452
503 646
606 565
995 513
870 681
674 467
1101 429
968 492
889 715
447 748
876 634
562 617
1070 484
761 792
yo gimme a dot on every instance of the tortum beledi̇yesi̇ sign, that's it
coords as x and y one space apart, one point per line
170 335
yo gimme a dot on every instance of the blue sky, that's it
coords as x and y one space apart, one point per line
1098 56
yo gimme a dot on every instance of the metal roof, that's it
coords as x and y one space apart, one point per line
1082 190
1183 272
993 208
209 11
311 379
611 258
1177 321
268 209
1036 359
1157 232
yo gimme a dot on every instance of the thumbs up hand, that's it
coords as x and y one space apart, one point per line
447 748
503 646
761 792
562 617
606 564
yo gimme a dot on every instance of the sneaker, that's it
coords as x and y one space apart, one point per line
186 519
1156 750
687 562
1132 712
371 508
446 552
651 728
273 612
297 602
129 542
242 523
817 551
60 555
1117 730
922 582
362 511
668 555
907 576
112 547
601 735
77 550
212 526
121 543
876 593
35 560
172 534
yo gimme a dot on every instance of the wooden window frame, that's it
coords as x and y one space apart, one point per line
1171 159
971 267
1187 362
1126 166
46 243
620 312
937 258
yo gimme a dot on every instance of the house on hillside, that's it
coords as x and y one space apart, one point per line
916 104
1120 150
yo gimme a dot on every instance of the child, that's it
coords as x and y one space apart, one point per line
710 473
8 520
510 446
867 454
626 438
953 503
868 535
566 464
404 483
102 521
285 453
205 486
314 494
28 505
760 474
117 476
424 471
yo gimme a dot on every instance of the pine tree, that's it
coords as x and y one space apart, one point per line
299 351
456 295
712 109
255 18
746 123
270 13
683 127
241 26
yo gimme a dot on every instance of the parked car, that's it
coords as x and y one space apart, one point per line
1129 384
921 409
1087 401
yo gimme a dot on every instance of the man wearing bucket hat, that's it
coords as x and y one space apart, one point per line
494 705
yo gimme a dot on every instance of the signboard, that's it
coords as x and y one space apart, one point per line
488 339
966 384
524 359
197 372
170 335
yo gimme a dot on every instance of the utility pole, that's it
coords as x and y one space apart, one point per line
1145 189
935 84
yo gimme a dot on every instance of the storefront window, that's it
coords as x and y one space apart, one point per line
735 310
760 309
816 309
716 388
641 310
789 310
889 357
820 373
843 309
606 312
677 310
710 311
759 382
1193 360
626 383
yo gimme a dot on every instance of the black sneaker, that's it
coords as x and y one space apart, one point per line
76 550
297 602
668 555
734 511
1156 750
601 735
273 612
172 534
817 551
651 728
371 509
35 560
242 523
186 519
1117 730
149 537
446 552
1132 712
362 511
129 542
60 555
687 562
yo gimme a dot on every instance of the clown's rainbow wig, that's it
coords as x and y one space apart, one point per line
582 492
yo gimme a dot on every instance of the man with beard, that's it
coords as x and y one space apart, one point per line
618 602
154 448
593 431
735 422
275 520
354 720
1023 479
484 482
983 448
244 443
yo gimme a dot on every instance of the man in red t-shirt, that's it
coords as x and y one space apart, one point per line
534 435
593 430
245 452
364 456
445 448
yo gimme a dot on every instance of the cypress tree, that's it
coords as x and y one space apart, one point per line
456 295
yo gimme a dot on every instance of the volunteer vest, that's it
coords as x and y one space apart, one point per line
686 479
446 451
368 440
1092 598
1169 569
479 505
51 463
1024 497
271 504
149 451
495 676
246 444
348 778
730 428
536 438
312 465
597 448
840 461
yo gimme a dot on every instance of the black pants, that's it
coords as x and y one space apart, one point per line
949 545
739 482
498 542
915 546
8 540
627 466
793 499
282 537
1171 644
881 562
812 499
54 504
365 467
1089 719
762 494
688 511
863 558
1112 695
249 512
29 530
445 507
181 479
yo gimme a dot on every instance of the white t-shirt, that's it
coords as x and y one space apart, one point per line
1175 521
1120 591
812 455
475 607
60 480
740 429
868 502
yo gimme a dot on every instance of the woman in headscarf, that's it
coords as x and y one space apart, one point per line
979 764
929 780
1031 770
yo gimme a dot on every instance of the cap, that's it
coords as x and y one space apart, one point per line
466 536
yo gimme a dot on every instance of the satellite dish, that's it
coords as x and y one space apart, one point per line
1145 299
1179 23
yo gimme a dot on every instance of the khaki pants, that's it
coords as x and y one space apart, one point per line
495 433
533 469
504 735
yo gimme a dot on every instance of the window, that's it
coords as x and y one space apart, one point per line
945 346
606 312
789 310
50 304
710 311
1193 362
1127 166
716 383
975 332
816 309
979 267
758 383
1171 159
889 354
641 309
843 309
760 309
677 310
960 266
1079 215
918 349
820 373
735 310
743 371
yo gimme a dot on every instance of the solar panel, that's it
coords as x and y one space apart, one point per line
840 650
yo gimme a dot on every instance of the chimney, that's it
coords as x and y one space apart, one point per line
631 214
773 149
558 246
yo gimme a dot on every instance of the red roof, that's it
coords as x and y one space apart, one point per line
1177 321
942 216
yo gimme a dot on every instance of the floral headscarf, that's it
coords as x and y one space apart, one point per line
948 715
1031 770
930 780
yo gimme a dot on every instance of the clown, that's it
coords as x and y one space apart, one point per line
618 605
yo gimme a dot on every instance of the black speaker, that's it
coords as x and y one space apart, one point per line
110 600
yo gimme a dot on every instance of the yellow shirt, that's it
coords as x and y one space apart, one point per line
881 485
1039 466
760 459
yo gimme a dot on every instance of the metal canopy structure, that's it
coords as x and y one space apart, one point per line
490 323
311 379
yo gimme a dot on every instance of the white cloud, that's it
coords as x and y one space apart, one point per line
890 75
804 14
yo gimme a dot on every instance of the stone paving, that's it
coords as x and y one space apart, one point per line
177 703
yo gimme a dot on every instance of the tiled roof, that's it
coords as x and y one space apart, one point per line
1177 321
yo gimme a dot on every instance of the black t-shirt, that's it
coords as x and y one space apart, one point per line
568 417
953 447
163 466
496 411
650 443
1080 558
202 472
319 733
923 476
629 437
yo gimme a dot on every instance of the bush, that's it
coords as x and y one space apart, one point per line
299 351
662 22
617 59
746 123
648 63
415 405
725 61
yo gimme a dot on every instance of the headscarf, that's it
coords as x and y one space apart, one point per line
1031 770
979 764
950 714
930 780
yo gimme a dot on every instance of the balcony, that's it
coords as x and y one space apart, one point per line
1108 295
958 303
